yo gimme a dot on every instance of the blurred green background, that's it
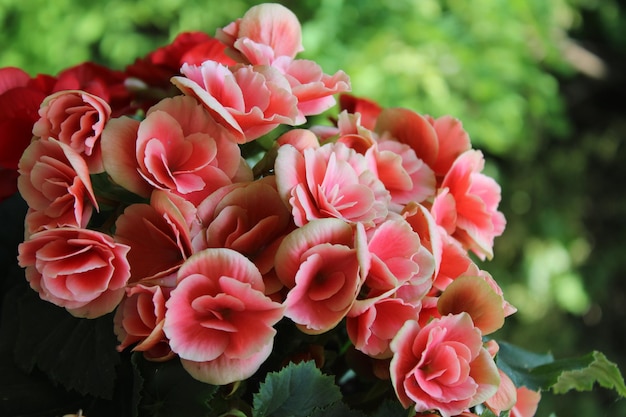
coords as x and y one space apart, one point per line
539 86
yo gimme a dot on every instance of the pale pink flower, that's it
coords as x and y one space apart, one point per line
54 180
264 33
442 366
139 321
77 119
218 319
159 235
177 147
313 88
467 205
330 181
82 270
249 101
322 264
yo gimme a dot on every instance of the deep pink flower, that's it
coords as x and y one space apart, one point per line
177 147
54 181
330 181
77 119
249 101
372 329
159 235
139 321
218 319
442 366
264 33
467 205
368 109
82 270
247 217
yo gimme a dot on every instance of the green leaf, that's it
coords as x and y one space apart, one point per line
295 390
169 391
542 372
582 373
64 347
390 409
517 363
338 409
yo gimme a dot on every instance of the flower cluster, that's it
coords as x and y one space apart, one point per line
147 199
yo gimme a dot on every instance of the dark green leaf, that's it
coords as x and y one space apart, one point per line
581 374
390 409
64 347
295 390
517 363
337 409
542 372
169 391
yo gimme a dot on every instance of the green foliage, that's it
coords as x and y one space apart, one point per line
296 390
53 341
541 372
167 390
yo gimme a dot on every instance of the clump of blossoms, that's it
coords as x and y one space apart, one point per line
192 197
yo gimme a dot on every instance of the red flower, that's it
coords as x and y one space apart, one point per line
20 97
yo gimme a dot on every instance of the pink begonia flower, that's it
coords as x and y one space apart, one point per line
139 321
453 141
410 128
246 217
473 295
313 88
505 398
366 108
177 147
323 265
442 366
54 180
82 270
77 119
527 403
397 258
218 319
407 178
249 101
264 33
159 235
300 139
467 205
330 181
372 329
